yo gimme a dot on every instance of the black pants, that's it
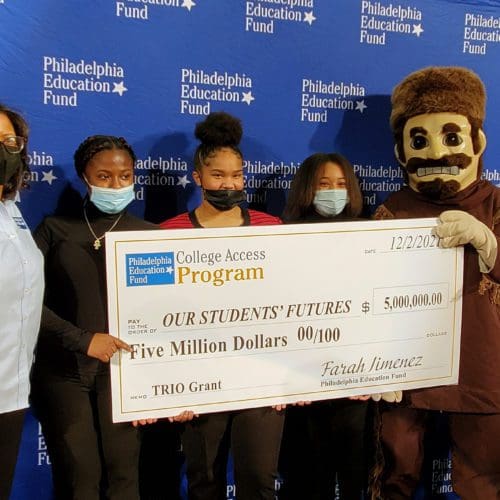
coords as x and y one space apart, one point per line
11 428
254 437
160 461
90 455
323 441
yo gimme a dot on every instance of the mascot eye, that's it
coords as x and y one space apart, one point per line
419 142
452 139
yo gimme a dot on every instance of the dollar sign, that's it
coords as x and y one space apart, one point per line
365 306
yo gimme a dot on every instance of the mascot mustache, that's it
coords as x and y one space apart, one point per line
448 164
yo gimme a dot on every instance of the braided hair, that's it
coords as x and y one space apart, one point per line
95 144
22 130
219 130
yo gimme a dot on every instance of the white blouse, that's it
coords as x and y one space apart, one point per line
21 298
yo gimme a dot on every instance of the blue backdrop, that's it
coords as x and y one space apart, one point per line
303 75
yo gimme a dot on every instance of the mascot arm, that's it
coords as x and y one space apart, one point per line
494 273
459 228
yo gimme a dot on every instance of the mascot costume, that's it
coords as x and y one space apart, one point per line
437 119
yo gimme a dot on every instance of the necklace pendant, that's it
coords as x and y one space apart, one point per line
97 241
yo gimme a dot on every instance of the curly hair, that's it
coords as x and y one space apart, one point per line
22 130
95 144
219 130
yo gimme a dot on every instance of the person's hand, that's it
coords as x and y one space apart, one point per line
459 228
103 346
279 407
144 421
302 403
390 396
361 398
185 416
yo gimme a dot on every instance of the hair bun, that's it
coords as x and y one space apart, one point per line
219 129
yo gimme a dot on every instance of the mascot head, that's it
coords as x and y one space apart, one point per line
437 119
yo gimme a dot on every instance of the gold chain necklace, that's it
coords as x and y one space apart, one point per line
97 241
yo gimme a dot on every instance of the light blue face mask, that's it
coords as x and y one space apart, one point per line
111 201
330 202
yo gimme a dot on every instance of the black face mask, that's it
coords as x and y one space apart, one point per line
10 164
225 199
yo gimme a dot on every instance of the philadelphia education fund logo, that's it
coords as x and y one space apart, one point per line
146 269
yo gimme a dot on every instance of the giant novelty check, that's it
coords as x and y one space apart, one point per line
233 318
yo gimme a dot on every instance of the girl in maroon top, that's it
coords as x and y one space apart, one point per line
218 171
253 435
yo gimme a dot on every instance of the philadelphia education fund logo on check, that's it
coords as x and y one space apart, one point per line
145 269
194 267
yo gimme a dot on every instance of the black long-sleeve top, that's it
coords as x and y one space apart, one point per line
75 305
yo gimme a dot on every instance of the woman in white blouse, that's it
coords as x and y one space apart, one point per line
21 285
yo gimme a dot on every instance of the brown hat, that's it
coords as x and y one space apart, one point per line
438 89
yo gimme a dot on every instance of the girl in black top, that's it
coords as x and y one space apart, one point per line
329 435
90 455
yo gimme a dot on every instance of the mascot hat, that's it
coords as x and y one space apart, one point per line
439 89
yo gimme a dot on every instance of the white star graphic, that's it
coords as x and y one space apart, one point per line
417 29
189 4
360 106
119 88
169 269
309 17
247 97
48 177
183 181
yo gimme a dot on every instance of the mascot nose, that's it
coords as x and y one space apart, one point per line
437 149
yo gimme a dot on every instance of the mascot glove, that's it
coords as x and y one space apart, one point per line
459 228
390 397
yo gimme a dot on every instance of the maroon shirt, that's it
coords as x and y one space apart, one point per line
250 218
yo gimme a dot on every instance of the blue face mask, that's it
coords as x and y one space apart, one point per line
330 202
111 201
